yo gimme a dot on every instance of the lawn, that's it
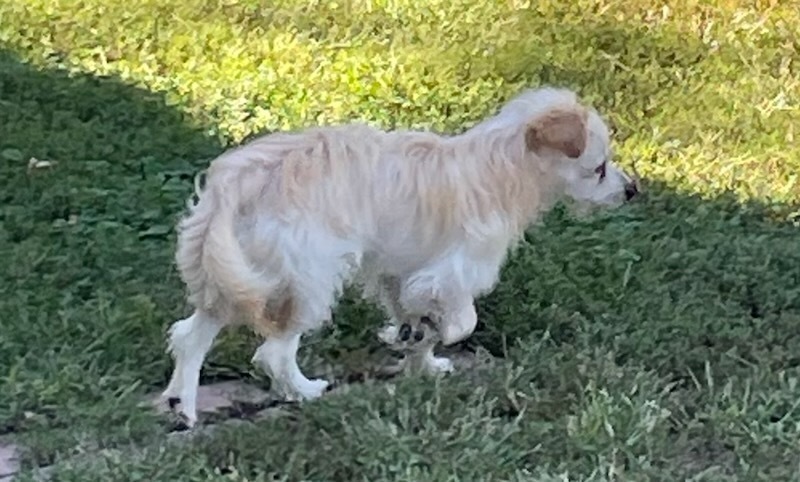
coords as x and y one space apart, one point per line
660 341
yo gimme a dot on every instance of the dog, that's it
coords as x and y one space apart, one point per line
421 221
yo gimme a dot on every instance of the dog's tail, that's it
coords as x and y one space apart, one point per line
209 257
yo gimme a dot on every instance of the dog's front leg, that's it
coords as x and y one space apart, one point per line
388 295
428 316
457 322
454 323
417 336
190 340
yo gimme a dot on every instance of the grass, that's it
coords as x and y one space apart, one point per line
657 342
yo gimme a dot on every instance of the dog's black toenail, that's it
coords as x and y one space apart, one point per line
426 320
173 402
179 426
405 332
419 335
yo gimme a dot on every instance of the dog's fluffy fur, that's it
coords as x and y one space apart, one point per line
421 221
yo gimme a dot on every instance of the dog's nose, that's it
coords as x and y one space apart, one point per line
631 190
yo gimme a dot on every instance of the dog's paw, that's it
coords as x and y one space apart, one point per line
188 418
426 363
305 390
437 365
411 336
388 334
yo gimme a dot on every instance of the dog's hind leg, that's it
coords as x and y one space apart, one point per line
315 265
190 340
277 355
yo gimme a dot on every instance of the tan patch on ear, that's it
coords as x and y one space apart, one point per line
562 130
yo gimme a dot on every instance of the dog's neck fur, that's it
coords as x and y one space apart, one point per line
482 176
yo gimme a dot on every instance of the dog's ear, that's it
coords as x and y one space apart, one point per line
563 130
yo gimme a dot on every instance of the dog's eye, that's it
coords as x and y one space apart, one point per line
601 170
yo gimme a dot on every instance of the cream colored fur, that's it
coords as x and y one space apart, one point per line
421 221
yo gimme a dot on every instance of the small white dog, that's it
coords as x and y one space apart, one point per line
423 222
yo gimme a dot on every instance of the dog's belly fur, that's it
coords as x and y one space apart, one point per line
410 235
425 269
458 270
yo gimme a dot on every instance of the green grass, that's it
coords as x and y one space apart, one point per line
656 342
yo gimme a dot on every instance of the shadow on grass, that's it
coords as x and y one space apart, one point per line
670 282
88 282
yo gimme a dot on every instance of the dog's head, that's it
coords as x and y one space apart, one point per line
573 142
